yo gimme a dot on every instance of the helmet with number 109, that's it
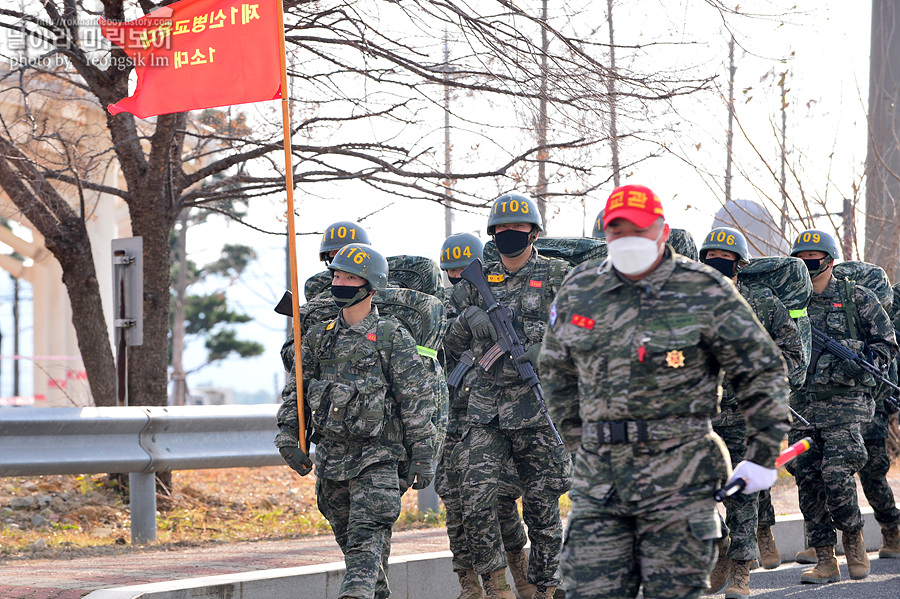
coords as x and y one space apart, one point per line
817 241
362 261
339 234
460 250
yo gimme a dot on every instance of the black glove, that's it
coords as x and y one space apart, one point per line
421 471
851 368
479 323
530 355
297 459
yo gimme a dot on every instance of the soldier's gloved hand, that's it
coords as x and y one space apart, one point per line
755 476
851 368
297 459
530 355
479 323
421 470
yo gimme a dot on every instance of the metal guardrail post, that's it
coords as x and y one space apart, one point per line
142 502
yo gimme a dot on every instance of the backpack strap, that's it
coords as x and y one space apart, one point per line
851 309
764 304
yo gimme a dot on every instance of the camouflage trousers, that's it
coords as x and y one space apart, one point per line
545 470
765 512
665 544
825 483
741 517
361 512
446 483
873 474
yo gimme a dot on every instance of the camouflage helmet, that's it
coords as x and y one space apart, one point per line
362 261
339 234
460 249
598 231
514 208
728 239
817 241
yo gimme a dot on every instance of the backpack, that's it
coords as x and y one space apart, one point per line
788 278
573 250
870 276
682 242
409 272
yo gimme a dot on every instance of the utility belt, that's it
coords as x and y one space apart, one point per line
615 432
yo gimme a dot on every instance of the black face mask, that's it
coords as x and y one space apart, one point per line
348 295
454 280
511 243
723 265
815 266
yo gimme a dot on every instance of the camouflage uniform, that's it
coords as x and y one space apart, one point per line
448 477
836 405
631 372
742 510
504 418
370 407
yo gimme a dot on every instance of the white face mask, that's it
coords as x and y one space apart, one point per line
634 255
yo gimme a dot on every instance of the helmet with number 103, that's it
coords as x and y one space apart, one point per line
512 208
339 234
362 261
460 250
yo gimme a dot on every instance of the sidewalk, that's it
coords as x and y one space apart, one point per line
73 579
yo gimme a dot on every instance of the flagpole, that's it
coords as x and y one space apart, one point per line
292 232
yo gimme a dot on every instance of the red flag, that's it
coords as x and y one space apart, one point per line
200 54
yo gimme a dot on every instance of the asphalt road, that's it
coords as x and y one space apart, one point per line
784 583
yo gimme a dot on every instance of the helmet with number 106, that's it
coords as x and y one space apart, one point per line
339 234
460 250
817 241
513 208
728 239
362 261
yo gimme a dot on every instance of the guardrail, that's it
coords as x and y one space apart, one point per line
142 441
138 440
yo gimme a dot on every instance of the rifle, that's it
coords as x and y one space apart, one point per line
507 340
821 342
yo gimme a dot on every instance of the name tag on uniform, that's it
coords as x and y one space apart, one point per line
583 321
536 283
496 278
371 337
837 305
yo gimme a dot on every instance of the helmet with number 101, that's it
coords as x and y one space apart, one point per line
512 208
598 227
460 250
339 234
816 240
728 239
362 261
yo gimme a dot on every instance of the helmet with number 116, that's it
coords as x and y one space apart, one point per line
598 227
512 208
460 250
339 234
362 261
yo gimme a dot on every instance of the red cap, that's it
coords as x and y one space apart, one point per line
635 203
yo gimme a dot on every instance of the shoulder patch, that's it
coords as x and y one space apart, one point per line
553 314
330 325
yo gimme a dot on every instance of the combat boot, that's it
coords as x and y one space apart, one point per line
855 552
468 582
545 592
740 580
769 556
890 542
719 576
826 568
496 587
807 556
518 565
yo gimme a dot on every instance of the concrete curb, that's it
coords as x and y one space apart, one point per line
422 576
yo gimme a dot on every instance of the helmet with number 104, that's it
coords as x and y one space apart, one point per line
362 261
512 208
339 234
460 250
